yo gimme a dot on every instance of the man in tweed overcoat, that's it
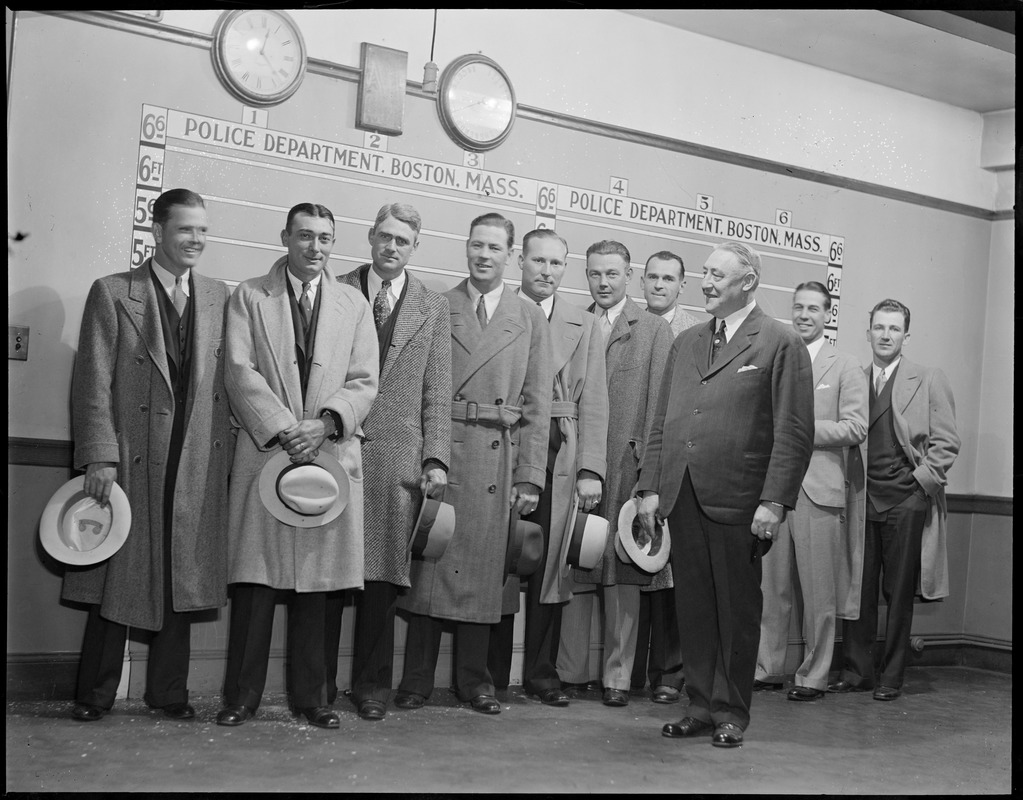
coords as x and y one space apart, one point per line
405 451
500 421
150 411
636 350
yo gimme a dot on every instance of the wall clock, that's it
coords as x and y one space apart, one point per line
259 55
476 102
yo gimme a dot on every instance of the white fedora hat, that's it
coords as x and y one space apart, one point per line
77 530
582 545
652 556
304 495
434 528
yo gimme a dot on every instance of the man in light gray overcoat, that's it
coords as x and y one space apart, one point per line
150 412
406 449
502 375
301 375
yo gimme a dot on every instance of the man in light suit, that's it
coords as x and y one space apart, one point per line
405 451
151 413
911 444
821 541
500 423
576 465
728 447
658 652
302 373
636 348
663 278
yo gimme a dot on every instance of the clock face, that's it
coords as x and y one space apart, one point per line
476 103
259 55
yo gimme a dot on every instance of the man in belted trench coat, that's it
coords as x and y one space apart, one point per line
500 418
150 412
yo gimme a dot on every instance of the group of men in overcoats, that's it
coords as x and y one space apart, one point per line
504 404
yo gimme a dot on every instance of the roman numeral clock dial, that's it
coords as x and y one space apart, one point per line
259 55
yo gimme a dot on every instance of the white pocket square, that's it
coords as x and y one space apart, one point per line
747 367
824 386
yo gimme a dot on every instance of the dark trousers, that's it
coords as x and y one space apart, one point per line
718 602
373 656
422 647
891 544
99 671
543 624
658 638
248 646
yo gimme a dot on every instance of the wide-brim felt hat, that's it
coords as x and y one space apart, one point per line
525 547
433 530
653 555
77 530
304 495
582 545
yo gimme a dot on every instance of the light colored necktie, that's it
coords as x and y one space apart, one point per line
481 312
879 383
306 304
719 342
381 306
605 325
179 298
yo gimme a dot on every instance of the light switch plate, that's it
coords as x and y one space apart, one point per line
17 342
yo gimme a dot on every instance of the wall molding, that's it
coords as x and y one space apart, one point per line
145 27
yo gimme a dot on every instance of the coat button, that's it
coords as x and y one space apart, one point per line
841 517
140 360
143 408
704 383
137 460
216 444
696 411
495 444
459 398
491 488
217 352
689 444
216 397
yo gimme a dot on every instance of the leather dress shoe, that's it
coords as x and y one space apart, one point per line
886 693
84 712
666 694
485 704
589 686
320 716
179 711
843 686
551 697
766 686
687 726
615 697
727 734
234 715
409 700
372 709
804 693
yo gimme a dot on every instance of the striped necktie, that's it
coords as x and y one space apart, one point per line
481 312
305 303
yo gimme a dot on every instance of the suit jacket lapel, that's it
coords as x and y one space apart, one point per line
907 382
411 317
279 332
144 310
204 317
565 335
701 347
825 360
739 342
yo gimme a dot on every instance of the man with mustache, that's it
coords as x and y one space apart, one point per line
728 446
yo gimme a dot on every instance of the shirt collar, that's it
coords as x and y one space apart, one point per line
296 284
735 319
669 316
490 299
615 311
374 282
886 370
547 304
167 278
815 347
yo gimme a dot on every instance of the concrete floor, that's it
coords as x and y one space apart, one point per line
950 733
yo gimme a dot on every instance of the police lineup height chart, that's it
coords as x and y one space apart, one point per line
169 137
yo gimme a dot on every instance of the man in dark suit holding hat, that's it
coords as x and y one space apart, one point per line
302 371
406 449
729 444
150 412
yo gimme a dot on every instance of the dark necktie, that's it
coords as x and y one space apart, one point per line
481 312
306 305
381 309
719 342
179 298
